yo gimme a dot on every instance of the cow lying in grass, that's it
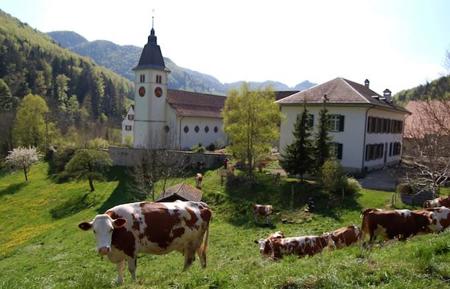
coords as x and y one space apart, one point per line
438 202
262 211
276 245
156 228
390 224
346 236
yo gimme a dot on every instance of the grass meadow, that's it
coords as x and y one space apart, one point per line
42 247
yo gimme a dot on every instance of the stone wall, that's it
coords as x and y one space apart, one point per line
122 156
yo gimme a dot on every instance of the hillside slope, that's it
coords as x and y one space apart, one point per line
41 246
31 62
121 59
437 89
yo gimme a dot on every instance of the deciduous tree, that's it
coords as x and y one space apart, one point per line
89 164
251 120
22 158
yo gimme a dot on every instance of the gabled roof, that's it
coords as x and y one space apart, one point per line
182 192
151 56
340 91
284 93
188 103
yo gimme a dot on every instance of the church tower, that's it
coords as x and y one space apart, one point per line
151 77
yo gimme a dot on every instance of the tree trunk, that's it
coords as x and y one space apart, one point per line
91 184
25 173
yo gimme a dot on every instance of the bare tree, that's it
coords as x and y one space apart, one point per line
155 166
428 138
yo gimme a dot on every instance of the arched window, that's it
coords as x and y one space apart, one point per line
186 129
206 129
216 129
166 128
196 129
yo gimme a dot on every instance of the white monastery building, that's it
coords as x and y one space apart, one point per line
366 127
169 119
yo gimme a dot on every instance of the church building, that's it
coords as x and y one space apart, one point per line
163 118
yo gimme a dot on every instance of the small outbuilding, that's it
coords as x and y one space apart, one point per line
182 192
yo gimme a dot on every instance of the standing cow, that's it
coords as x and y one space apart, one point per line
262 211
390 224
155 228
438 202
198 180
439 218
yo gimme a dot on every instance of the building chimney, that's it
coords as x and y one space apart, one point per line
387 95
366 83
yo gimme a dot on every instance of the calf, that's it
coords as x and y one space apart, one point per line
262 211
438 202
346 236
198 180
155 228
392 224
276 245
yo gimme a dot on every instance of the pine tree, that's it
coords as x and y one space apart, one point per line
322 143
297 158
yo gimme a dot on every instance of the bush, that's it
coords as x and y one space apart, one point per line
333 177
405 189
352 186
57 162
198 148
98 143
211 147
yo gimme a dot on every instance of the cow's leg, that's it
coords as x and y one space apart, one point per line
189 257
132 267
202 256
120 267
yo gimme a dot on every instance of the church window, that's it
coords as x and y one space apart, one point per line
142 78
206 129
158 79
166 128
128 127
216 129
196 129
131 117
186 129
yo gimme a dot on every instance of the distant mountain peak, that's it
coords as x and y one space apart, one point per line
67 39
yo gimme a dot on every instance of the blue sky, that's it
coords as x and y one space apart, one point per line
395 44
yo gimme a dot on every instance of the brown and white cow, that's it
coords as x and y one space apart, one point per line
439 218
346 236
155 228
390 224
438 202
276 245
262 211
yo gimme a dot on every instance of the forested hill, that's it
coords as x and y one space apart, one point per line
31 62
437 89
121 59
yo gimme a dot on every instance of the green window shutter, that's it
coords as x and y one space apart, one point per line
341 122
339 151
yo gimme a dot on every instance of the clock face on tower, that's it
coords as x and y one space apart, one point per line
158 92
141 91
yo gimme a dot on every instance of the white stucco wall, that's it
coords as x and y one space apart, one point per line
192 138
126 122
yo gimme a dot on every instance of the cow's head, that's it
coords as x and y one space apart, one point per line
265 245
103 227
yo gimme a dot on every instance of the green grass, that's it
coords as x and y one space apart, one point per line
42 247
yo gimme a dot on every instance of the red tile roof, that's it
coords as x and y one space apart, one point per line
340 91
188 103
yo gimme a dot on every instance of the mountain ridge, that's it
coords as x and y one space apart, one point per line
122 58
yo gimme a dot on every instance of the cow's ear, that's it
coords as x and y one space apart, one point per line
256 241
85 226
120 222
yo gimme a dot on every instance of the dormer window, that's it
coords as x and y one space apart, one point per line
142 78
158 79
